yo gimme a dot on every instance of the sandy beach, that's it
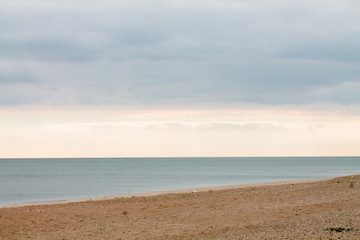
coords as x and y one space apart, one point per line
311 209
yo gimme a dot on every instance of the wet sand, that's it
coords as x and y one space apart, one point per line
316 209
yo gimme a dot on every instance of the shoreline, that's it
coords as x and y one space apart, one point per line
179 191
296 209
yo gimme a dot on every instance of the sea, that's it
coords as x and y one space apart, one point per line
28 181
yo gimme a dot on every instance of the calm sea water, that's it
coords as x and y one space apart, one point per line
43 180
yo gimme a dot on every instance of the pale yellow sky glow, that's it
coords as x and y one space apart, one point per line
112 132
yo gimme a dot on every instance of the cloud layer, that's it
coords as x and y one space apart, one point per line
40 132
179 52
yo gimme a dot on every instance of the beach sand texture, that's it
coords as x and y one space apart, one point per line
322 209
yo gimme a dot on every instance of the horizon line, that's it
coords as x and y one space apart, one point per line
302 156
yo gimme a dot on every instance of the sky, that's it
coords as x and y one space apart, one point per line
171 78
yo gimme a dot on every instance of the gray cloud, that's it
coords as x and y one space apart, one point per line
8 78
46 50
341 52
170 52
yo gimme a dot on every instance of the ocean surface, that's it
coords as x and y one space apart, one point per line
43 180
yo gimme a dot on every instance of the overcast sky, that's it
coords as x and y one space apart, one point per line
172 54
